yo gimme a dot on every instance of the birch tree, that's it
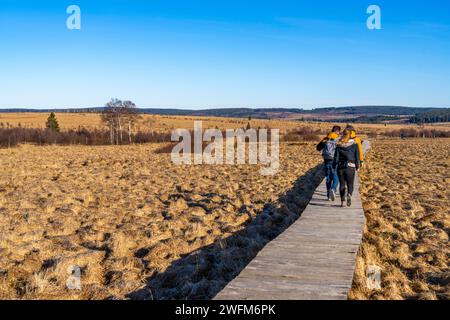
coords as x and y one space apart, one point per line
118 115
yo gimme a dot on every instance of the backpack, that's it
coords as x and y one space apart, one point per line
329 149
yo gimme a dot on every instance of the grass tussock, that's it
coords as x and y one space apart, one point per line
406 197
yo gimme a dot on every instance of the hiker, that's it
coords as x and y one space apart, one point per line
358 142
347 161
328 148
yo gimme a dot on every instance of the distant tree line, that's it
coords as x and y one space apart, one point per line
369 119
373 110
435 116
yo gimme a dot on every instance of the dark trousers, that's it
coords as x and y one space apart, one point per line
346 179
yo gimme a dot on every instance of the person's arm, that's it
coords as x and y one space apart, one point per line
360 148
321 144
358 158
336 158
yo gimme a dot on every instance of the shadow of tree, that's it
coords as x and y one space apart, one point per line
202 274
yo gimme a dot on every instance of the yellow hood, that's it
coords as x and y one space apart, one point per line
332 135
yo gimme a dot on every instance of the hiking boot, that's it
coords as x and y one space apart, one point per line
332 195
349 200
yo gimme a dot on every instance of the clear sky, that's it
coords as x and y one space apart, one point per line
217 53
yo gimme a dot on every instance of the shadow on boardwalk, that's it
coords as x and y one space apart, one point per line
205 272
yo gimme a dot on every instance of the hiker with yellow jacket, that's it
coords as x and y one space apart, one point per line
358 141
347 163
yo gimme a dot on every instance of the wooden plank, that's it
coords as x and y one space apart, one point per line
314 259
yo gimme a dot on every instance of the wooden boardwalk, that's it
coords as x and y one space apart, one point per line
314 259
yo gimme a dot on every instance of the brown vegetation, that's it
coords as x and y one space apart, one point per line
418 133
405 192
15 136
137 225
141 227
91 121
304 133
147 122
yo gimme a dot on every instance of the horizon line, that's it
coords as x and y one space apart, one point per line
223 108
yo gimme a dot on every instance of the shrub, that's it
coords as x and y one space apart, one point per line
302 134
311 137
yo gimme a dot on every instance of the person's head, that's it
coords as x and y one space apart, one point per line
350 127
336 129
352 130
346 136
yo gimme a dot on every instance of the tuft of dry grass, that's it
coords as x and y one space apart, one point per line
406 197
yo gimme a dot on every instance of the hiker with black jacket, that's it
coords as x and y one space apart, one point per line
358 141
328 148
347 161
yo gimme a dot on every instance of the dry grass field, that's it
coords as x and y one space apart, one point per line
137 225
69 121
141 227
165 123
406 197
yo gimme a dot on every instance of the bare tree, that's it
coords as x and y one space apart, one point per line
131 116
109 117
118 114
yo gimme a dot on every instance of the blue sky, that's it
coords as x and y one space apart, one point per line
207 54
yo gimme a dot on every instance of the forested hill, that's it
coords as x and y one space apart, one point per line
374 110
440 115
